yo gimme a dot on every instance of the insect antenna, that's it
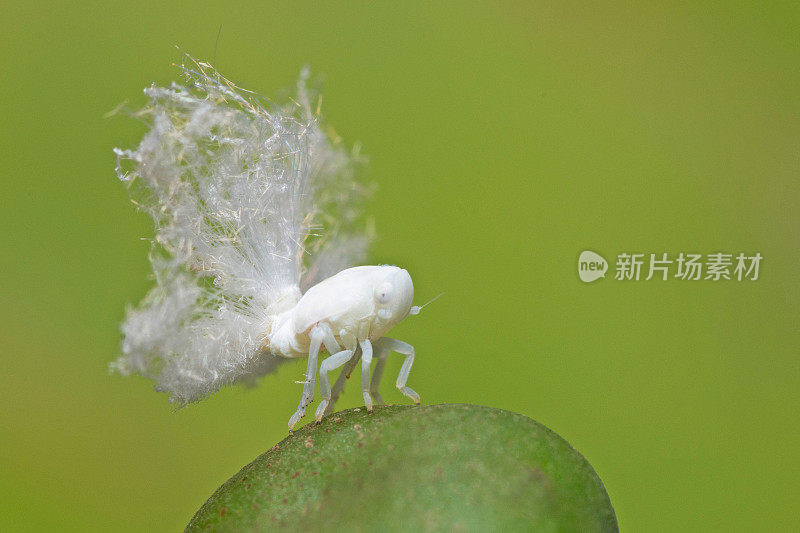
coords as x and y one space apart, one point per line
417 308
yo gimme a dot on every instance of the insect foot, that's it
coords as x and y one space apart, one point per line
323 404
411 393
300 413
368 401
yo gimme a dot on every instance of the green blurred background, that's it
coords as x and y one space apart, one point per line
505 138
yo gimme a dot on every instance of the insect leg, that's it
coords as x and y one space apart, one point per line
329 339
334 361
380 353
316 336
366 359
407 350
341 381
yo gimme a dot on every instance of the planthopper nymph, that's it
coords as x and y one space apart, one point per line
256 211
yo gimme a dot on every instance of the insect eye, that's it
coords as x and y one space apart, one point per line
383 293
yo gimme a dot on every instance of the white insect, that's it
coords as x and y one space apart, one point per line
235 186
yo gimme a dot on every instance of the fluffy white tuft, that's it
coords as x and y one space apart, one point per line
235 185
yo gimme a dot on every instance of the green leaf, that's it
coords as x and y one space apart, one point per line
441 467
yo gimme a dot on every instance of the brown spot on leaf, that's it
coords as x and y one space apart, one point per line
223 512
